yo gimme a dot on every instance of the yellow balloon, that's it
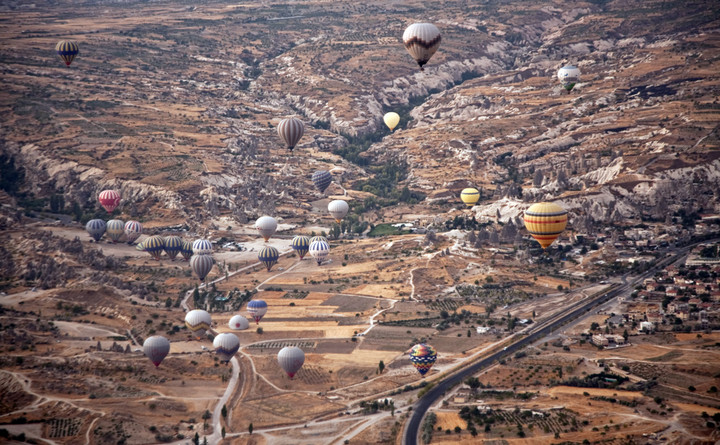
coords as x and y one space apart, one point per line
391 120
470 196
545 221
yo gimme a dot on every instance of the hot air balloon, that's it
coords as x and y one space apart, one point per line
470 196
338 209
202 247
266 225
133 230
140 246
198 319
96 228
226 345
291 359
109 199
300 245
67 50
156 348
269 257
545 221
257 309
173 245
186 250
422 357
239 323
115 228
291 130
421 41
319 250
391 120
322 180
201 265
569 75
154 246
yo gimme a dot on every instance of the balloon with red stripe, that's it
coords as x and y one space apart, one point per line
109 199
545 221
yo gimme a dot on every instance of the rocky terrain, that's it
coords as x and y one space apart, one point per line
175 104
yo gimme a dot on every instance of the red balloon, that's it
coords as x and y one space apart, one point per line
109 199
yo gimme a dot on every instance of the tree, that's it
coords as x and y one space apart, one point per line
473 383
206 415
196 439
626 335
250 428
223 432
224 411
381 367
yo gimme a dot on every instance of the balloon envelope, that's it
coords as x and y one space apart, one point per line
239 323
197 319
202 247
172 246
269 257
291 130
470 196
109 199
226 345
154 246
391 120
186 250
338 209
291 359
201 265
322 180
300 244
422 357
96 228
266 225
545 221
257 309
115 228
156 348
421 41
67 50
133 230
319 250
569 75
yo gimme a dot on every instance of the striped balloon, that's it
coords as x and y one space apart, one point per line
186 250
422 357
115 228
319 250
269 257
67 50
173 245
322 180
291 130
545 221
109 199
318 238
226 345
154 246
421 41
201 265
202 247
257 309
156 348
133 230
96 228
300 244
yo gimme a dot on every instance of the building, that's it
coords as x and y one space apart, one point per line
646 326
600 340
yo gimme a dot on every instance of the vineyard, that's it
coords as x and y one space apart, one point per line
448 305
304 345
313 375
65 427
553 421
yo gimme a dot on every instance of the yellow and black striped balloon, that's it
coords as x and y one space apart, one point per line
67 50
545 221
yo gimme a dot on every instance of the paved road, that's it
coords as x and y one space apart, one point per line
410 434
